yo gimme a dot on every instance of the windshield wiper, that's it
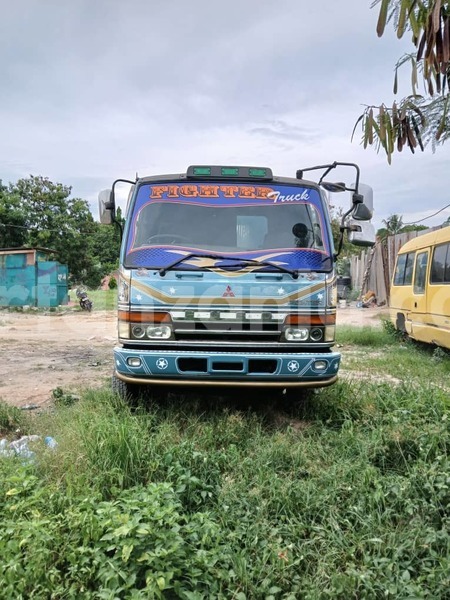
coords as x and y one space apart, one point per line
173 264
263 263
248 261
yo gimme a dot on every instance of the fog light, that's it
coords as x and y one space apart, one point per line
320 365
134 361
316 334
159 332
138 331
293 334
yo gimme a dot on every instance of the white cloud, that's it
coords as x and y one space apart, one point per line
92 91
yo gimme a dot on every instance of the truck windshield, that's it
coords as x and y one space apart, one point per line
274 225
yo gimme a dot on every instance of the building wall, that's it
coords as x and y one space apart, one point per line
28 278
374 267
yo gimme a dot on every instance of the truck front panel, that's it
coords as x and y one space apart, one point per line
227 284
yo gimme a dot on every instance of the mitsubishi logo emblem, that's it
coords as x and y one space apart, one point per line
228 293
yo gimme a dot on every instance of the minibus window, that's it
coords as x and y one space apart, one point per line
400 269
404 270
440 266
420 273
409 268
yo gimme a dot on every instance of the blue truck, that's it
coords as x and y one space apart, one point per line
227 277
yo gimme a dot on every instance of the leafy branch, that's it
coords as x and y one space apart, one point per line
416 120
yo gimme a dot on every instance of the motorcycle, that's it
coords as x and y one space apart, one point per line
85 302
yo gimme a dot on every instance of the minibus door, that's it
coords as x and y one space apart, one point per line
419 315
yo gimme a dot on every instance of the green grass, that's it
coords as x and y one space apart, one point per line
102 299
363 336
383 354
12 420
343 495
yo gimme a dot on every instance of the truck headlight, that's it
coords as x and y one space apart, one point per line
296 334
153 325
159 332
316 334
138 331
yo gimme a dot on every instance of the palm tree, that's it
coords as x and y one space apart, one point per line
394 224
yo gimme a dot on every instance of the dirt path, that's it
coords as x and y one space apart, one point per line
40 352
73 350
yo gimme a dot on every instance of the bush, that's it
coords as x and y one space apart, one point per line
112 284
391 330
11 419
137 545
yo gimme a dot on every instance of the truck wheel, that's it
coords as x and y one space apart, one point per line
126 391
133 393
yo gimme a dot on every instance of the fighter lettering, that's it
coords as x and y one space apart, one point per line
209 191
228 191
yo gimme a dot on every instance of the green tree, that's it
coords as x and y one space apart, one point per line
347 248
417 119
105 244
13 227
394 224
59 222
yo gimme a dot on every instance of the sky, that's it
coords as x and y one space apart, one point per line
92 91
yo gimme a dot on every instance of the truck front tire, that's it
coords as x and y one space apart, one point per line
126 391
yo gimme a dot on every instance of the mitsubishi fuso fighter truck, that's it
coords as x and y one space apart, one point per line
227 277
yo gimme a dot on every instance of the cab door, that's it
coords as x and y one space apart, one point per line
419 315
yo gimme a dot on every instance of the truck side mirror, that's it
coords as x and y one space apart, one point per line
105 207
361 233
363 203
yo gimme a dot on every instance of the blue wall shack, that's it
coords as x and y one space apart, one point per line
29 278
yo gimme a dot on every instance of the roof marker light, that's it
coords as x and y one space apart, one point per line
202 170
257 172
230 171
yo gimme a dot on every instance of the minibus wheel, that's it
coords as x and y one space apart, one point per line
400 323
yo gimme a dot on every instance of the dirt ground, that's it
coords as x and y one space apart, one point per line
73 350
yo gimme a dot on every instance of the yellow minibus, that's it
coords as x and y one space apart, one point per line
420 291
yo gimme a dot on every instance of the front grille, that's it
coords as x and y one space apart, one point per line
217 365
193 365
262 365
255 366
226 331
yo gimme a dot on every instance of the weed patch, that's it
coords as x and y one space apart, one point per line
12 419
345 494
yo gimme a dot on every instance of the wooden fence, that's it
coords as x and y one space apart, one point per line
374 267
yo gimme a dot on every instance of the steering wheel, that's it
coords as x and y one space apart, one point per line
161 236
304 236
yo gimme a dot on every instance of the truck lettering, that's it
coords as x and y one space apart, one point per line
213 191
278 197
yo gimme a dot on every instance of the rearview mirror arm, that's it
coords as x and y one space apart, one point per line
342 228
112 204
328 168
